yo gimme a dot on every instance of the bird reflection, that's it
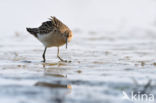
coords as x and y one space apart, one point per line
56 74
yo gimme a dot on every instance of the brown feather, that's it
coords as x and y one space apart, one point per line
53 24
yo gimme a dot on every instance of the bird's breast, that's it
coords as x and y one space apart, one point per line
51 39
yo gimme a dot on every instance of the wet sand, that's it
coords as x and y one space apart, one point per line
101 68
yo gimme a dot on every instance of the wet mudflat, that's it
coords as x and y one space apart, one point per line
102 68
111 53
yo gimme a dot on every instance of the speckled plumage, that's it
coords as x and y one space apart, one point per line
52 33
53 25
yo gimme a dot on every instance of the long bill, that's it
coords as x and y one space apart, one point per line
66 42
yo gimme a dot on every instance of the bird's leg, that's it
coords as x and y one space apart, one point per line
44 54
58 52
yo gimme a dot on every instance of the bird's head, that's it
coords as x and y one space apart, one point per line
67 36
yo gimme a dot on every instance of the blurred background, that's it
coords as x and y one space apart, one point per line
113 50
92 15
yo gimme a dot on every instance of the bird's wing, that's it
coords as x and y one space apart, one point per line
53 24
58 24
46 27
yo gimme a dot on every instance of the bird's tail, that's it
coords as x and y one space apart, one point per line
33 31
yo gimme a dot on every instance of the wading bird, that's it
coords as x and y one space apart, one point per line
52 33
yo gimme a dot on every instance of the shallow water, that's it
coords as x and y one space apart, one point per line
105 62
100 69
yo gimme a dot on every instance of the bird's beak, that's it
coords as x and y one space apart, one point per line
66 42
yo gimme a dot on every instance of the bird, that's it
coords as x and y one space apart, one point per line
52 33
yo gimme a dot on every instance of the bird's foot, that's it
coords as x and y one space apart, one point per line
62 60
65 61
